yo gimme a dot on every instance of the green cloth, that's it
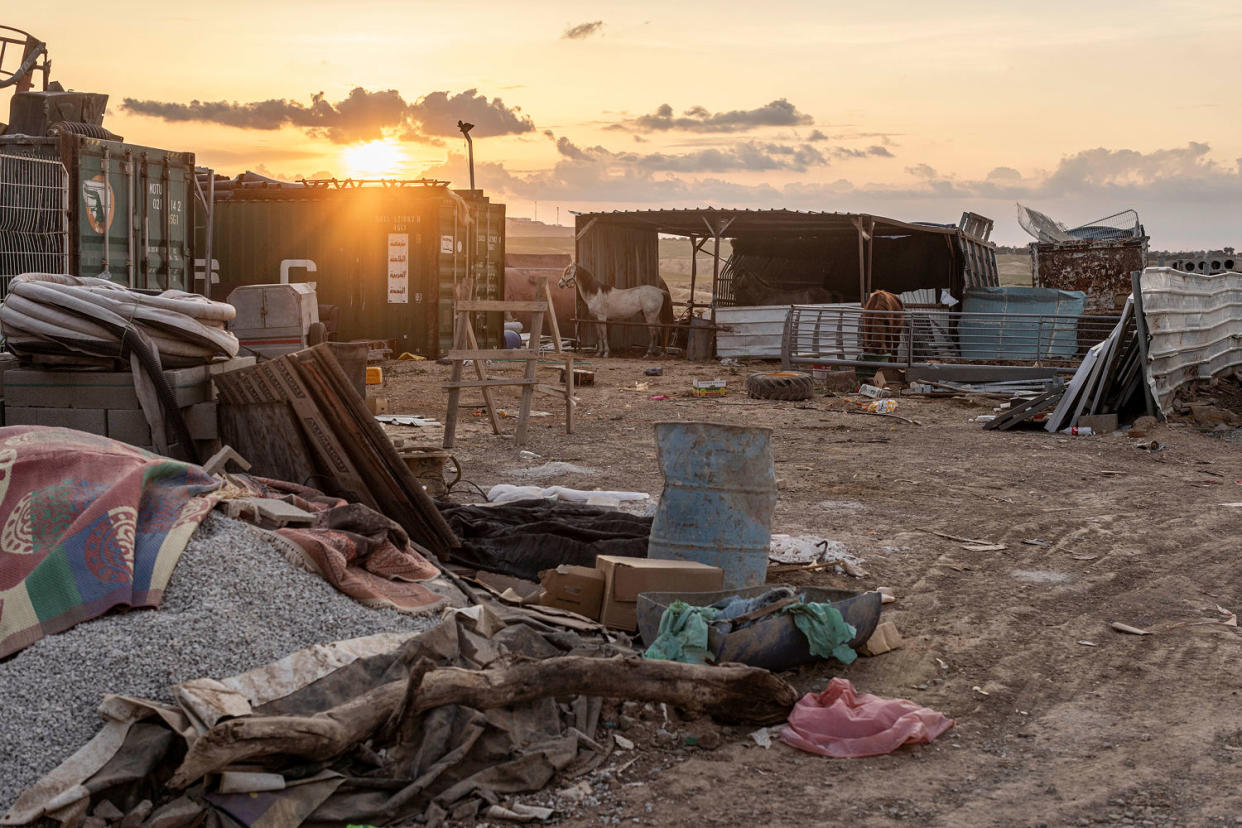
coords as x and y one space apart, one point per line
825 629
683 634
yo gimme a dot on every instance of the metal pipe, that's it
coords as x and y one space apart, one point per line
107 211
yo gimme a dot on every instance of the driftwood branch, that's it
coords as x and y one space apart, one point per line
730 693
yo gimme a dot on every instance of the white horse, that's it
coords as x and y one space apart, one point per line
606 302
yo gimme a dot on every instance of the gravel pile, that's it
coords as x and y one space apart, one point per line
234 603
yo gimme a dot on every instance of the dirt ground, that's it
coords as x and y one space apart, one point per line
1060 719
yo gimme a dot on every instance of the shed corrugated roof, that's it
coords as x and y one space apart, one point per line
698 221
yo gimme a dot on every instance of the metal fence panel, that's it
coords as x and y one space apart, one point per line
34 217
849 335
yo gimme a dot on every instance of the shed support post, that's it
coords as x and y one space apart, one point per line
694 268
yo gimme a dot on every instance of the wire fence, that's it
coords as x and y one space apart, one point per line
34 215
853 336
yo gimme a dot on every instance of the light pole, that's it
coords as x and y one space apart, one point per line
465 130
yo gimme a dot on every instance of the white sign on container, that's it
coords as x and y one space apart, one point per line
398 268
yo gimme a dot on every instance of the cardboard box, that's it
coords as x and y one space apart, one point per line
709 388
377 405
579 589
625 578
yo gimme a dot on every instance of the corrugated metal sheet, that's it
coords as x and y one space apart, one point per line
1195 327
1023 331
757 332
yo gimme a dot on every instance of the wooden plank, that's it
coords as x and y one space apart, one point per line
454 391
490 383
281 373
493 305
499 354
269 437
480 373
401 496
528 386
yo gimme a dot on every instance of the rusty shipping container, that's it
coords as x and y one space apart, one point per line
90 207
1100 268
385 258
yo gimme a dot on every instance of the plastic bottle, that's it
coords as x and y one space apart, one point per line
1078 431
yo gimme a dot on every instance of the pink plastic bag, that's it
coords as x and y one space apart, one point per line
841 723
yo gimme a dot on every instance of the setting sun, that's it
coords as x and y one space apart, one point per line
376 159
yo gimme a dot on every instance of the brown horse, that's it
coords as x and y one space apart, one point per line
883 318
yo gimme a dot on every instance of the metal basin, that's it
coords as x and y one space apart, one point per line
774 642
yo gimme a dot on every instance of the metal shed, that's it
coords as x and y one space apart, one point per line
846 254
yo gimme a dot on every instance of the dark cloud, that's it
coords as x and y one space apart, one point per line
437 113
816 135
582 30
1185 198
746 156
698 119
361 116
879 151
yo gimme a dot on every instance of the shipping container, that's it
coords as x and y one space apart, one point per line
90 207
384 259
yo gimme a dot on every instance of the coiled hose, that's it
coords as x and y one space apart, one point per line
47 313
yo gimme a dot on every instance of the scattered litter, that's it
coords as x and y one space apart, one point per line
840 506
763 736
843 723
709 388
1081 557
874 392
980 690
555 468
406 355
638 386
1149 445
1088 643
654 372
506 414
622 742
885 639
882 406
985 547
518 812
1077 431
1126 628
406 420
1232 505
941 662
801 549
659 397
730 362
527 455
886 595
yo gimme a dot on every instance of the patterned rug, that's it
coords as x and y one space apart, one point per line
89 524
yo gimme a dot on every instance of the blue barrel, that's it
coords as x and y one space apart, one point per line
719 495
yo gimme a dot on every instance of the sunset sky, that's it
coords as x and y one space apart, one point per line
913 110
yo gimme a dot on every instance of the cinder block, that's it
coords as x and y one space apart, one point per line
130 427
94 389
92 420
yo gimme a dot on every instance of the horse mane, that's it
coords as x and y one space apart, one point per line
587 279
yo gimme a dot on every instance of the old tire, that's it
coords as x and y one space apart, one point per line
780 385
316 334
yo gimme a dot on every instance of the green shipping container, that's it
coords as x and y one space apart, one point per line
92 207
386 257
